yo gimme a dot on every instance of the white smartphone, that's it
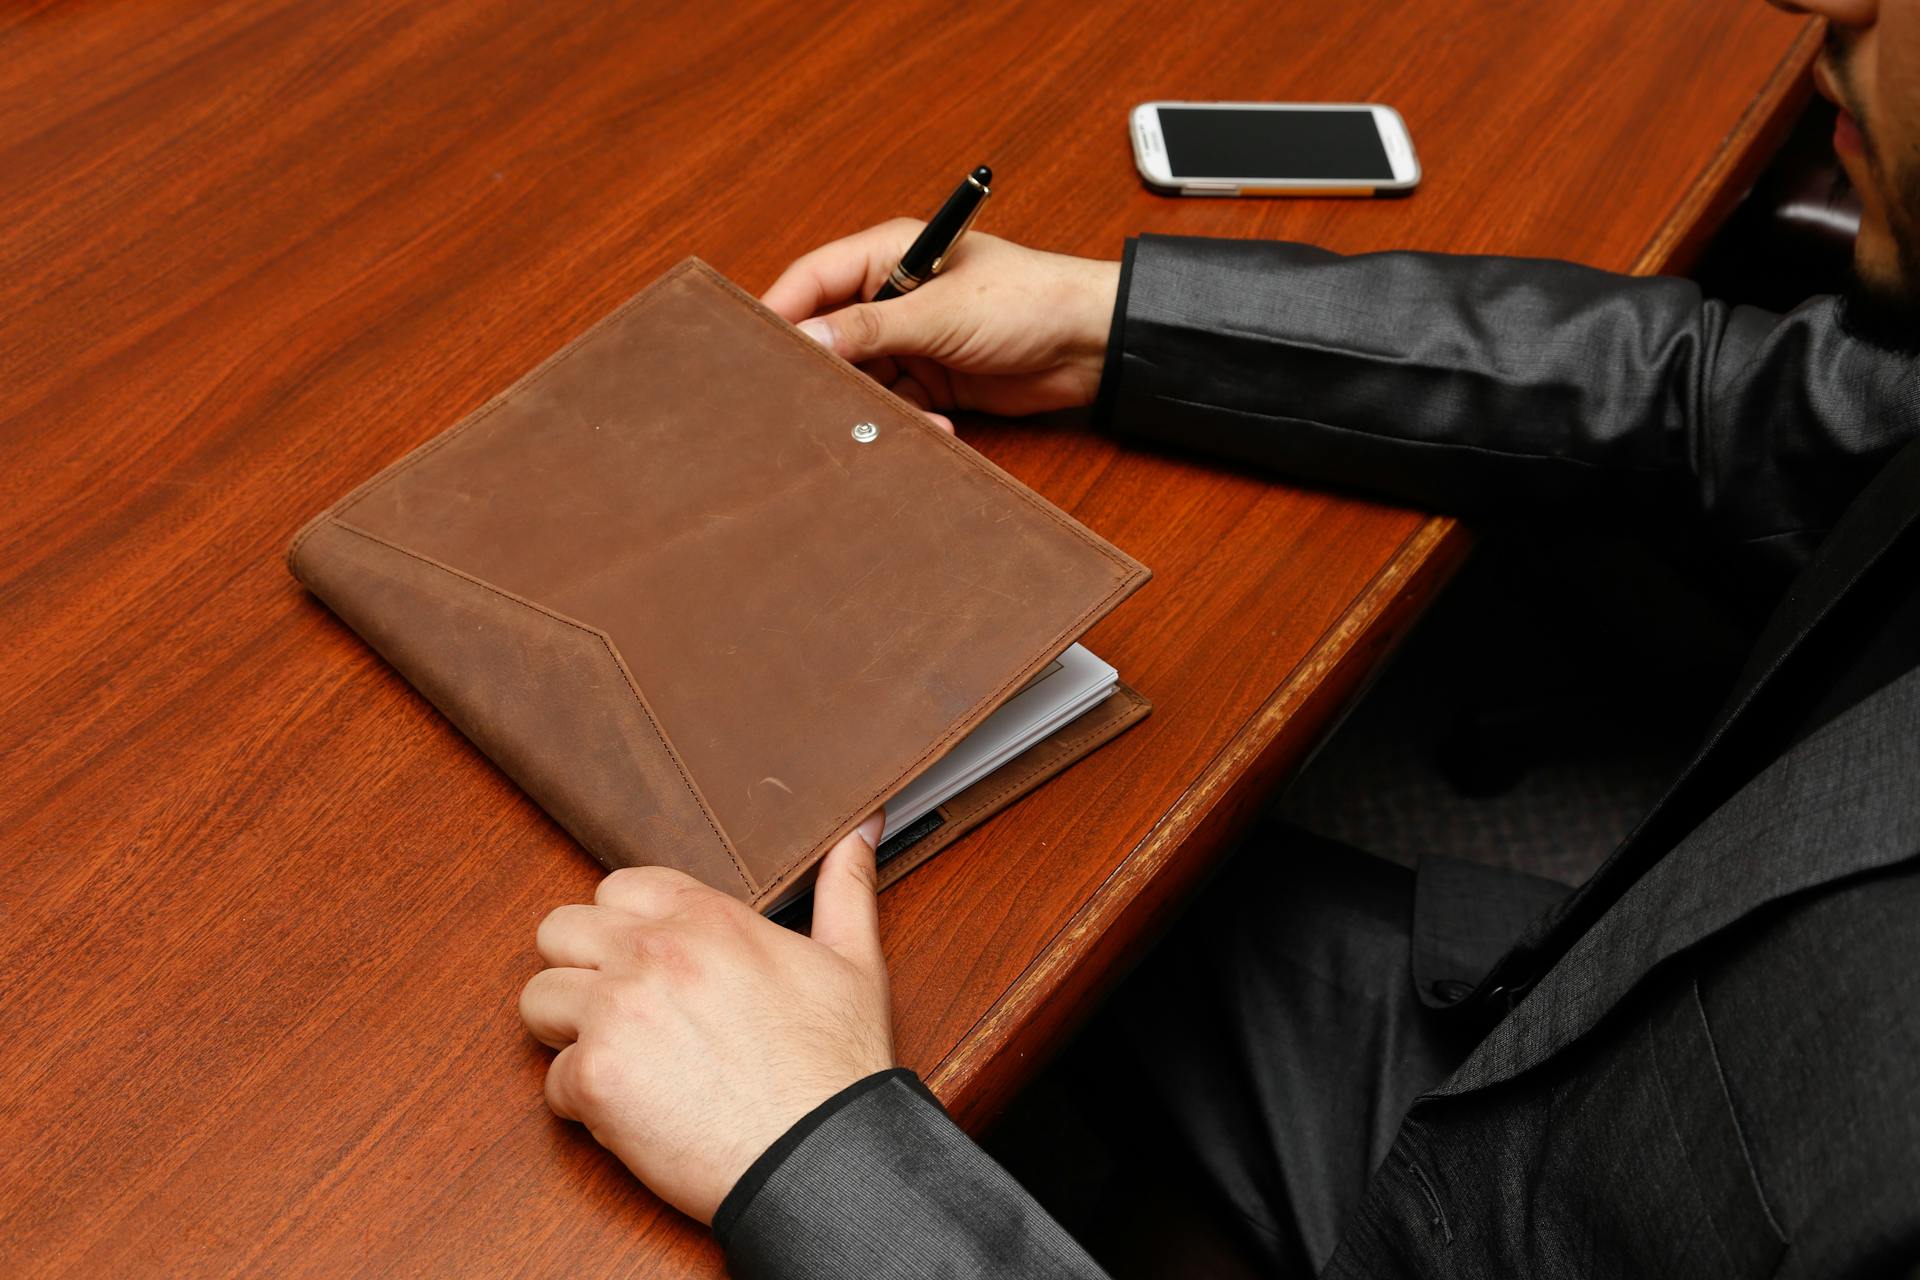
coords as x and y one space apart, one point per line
1273 148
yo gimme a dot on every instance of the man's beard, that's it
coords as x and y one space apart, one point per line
1882 312
1887 313
1887 317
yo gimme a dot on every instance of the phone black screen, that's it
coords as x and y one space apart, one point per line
1227 142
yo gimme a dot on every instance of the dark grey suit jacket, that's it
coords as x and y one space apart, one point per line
1706 1061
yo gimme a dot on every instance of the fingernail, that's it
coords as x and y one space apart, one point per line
871 828
820 331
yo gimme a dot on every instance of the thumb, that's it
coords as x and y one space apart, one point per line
846 916
897 327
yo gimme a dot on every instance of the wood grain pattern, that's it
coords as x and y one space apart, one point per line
263 914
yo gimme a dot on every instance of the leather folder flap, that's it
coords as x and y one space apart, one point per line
807 591
544 696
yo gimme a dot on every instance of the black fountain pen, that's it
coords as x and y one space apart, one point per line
930 249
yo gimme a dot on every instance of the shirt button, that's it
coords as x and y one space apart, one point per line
1450 990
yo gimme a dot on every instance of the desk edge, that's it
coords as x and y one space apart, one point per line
1125 913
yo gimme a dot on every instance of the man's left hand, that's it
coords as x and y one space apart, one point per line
693 1032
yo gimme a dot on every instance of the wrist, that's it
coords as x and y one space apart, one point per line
1094 291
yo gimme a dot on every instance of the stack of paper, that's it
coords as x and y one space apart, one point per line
1071 685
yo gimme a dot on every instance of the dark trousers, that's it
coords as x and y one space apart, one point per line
1279 1032
1258 1063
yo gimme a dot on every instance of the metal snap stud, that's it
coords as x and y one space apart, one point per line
865 432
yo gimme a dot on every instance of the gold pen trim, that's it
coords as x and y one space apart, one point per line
902 281
973 213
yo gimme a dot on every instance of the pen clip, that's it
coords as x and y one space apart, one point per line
972 213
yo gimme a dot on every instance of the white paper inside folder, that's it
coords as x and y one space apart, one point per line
1073 684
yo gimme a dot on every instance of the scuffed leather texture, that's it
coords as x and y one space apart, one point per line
672 517
544 714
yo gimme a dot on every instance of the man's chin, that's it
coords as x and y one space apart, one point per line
1882 314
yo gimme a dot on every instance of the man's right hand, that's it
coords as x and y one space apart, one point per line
1003 329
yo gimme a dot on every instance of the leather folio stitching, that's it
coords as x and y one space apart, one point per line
869 387
1129 569
1062 748
1058 756
619 665
953 730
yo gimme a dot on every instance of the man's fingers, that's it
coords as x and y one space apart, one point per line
916 395
885 370
910 391
552 1004
909 325
562 1093
828 276
653 893
843 271
846 914
571 936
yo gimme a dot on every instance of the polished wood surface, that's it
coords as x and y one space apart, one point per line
263 914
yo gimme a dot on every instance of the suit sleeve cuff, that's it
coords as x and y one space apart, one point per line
877 1183
761 1171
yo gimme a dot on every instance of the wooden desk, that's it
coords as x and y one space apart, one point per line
263 915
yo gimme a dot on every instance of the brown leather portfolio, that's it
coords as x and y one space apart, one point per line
711 596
